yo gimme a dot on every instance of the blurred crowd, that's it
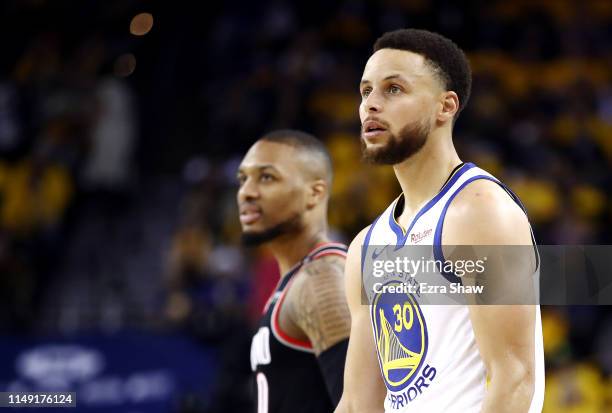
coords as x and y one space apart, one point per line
117 179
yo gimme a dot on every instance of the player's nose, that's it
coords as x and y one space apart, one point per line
248 191
373 103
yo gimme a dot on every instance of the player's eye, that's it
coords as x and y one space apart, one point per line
266 177
241 179
366 92
394 89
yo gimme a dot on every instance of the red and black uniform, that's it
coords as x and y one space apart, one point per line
289 377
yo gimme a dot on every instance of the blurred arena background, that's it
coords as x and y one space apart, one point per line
121 275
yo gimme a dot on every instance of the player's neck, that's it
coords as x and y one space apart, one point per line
290 249
423 174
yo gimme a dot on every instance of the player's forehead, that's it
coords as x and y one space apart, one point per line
386 63
269 155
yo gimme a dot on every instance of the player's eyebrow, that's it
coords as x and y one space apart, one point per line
242 168
393 76
267 166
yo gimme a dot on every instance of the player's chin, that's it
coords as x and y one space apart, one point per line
377 155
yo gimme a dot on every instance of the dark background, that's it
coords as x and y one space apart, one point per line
121 274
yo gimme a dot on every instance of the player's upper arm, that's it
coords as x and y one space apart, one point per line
496 230
484 215
364 390
352 279
320 309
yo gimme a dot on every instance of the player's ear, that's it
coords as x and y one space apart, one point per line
449 107
317 193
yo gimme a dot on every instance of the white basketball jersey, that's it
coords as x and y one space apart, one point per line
428 355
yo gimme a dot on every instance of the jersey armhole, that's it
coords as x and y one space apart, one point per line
282 336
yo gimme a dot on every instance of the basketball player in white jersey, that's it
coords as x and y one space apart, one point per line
299 351
445 358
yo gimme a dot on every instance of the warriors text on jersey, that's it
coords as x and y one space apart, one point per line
287 374
428 356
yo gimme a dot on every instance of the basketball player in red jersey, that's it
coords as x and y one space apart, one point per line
299 350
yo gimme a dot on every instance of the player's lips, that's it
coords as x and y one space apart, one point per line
249 214
372 128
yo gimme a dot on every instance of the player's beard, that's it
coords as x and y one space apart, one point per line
291 225
410 139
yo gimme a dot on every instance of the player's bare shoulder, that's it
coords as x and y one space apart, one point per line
318 302
483 213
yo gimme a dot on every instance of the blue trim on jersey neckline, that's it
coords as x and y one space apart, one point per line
399 233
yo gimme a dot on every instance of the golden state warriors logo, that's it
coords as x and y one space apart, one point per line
401 337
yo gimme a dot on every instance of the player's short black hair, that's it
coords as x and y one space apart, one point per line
446 58
302 141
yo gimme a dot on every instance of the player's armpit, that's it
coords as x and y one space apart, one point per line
318 303
364 390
